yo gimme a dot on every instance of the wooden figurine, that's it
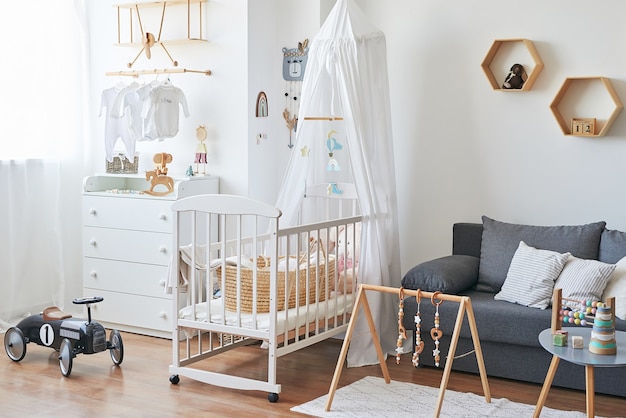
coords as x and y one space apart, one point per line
201 135
159 175
516 77
161 160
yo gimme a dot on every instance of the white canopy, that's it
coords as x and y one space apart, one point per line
346 77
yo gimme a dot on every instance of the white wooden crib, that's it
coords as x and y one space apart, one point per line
234 299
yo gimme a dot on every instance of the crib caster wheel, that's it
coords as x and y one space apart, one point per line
272 397
174 379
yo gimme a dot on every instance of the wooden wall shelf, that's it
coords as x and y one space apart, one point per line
564 100
133 11
496 76
148 36
158 3
169 42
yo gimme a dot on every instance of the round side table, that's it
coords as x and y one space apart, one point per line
580 356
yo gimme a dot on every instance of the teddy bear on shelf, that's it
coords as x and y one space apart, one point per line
516 77
348 245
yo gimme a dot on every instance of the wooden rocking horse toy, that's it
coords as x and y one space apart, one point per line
159 175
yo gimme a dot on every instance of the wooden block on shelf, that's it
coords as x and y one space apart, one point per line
559 340
577 341
584 126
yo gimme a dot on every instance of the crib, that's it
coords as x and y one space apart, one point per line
240 280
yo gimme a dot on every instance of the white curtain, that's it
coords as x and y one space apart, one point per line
41 153
346 77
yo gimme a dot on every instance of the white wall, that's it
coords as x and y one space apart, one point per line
244 53
462 150
219 101
273 25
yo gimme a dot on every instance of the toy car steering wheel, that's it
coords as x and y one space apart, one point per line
84 301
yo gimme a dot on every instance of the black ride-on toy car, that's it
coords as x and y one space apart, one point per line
69 336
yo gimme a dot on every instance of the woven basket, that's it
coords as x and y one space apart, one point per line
316 274
122 165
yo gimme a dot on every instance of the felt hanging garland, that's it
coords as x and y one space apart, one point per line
290 114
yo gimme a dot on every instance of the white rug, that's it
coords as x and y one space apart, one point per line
372 397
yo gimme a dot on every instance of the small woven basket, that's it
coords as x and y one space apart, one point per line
316 275
122 165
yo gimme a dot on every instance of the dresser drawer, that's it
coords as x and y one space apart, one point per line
140 311
124 245
128 213
125 277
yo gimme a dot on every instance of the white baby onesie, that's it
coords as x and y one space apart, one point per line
148 132
115 128
164 101
129 103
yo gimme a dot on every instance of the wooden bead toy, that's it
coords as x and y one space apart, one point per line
401 329
600 315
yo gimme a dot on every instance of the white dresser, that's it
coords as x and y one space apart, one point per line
127 247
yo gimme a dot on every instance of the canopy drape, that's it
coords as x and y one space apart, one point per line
344 135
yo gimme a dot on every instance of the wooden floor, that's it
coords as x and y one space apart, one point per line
140 387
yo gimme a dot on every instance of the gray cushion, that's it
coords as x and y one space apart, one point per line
450 274
500 241
466 238
612 246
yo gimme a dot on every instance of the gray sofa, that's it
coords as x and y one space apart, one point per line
481 256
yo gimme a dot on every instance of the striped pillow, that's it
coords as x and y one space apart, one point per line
616 288
531 276
584 280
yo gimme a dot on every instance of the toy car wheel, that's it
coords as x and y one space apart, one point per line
66 357
117 347
15 344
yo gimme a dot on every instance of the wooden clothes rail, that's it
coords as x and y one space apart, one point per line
328 118
135 73
465 305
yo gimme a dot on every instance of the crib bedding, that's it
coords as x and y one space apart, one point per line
336 306
187 260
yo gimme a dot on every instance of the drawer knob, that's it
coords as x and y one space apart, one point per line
162 283
93 274
162 250
92 211
163 315
93 243
163 217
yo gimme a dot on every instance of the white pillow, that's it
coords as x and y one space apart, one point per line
584 280
616 287
531 276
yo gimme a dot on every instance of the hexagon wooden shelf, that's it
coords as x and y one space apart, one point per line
492 56
572 92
